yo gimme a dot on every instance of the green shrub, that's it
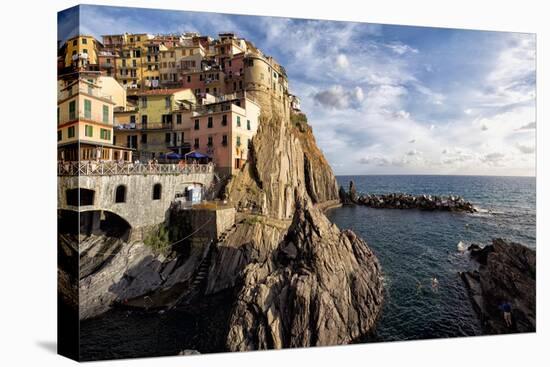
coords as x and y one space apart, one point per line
158 240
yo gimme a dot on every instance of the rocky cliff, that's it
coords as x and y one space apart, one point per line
506 274
320 286
302 281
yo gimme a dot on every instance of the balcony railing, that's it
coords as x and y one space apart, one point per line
155 126
109 168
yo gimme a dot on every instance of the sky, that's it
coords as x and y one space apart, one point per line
382 99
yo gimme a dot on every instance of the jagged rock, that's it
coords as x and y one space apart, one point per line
328 291
507 273
352 192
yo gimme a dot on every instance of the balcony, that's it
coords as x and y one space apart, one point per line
155 126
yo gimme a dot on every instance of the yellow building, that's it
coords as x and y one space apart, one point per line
149 128
85 118
81 52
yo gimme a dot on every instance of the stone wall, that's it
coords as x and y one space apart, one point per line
139 208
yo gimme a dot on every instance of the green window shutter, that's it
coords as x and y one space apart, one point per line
72 110
89 131
71 132
238 141
105 113
87 109
238 121
248 124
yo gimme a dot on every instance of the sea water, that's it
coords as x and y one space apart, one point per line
415 246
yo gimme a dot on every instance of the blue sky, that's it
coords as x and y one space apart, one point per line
382 99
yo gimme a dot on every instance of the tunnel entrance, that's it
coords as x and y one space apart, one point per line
102 222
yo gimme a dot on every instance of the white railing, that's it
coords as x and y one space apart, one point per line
107 168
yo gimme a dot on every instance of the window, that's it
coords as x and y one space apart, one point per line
157 190
105 113
144 119
167 138
238 141
84 41
70 132
72 110
87 109
166 119
197 124
134 63
196 145
210 143
85 51
238 121
59 135
144 138
75 42
210 123
188 78
120 194
89 130
133 119
224 140
144 102
224 120
178 118
248 125
105 134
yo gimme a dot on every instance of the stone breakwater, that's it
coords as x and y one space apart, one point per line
450 203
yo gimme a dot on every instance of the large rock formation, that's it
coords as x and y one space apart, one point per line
305 281
320 286
507 273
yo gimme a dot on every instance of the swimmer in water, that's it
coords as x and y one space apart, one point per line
435 284
419 287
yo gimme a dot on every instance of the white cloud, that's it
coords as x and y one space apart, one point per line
342 61
401 48
526 149
529 126
339 98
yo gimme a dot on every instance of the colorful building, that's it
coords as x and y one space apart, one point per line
149 128
85 117
81 53
224 130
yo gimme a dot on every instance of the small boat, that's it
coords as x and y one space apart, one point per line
461 247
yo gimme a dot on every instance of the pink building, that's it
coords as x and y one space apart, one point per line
224 131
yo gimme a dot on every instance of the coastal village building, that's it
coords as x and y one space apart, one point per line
149 125
185 92
85 110
79 53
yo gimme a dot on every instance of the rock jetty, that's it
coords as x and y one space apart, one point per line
449 203
506 274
